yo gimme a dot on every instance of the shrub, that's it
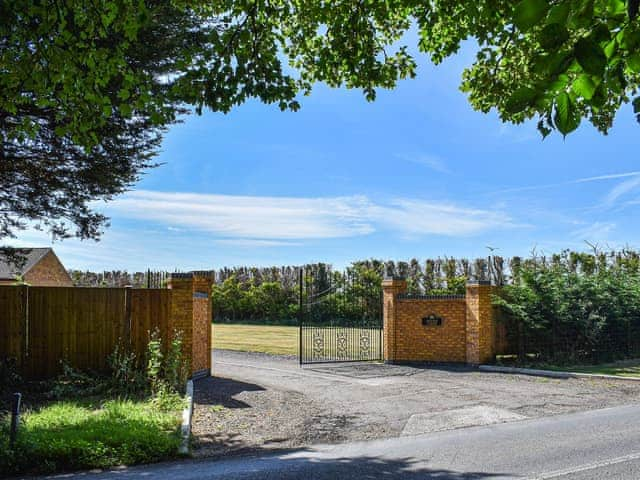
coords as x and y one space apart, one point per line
126 376
73 383
575 308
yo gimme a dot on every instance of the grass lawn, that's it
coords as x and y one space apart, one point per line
626 368
273 339
65 436
282 340
622 368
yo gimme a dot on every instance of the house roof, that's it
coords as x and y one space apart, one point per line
28 258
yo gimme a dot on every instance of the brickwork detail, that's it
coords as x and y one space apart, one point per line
466 334
48 272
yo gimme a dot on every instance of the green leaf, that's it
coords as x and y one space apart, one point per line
125 110
616 7
123 94
553 36
529 13
565 117
582 16
584 86
559 13
590 56
633 62
610 48
520 100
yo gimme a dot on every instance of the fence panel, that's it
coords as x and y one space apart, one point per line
79 325
150 309
13 302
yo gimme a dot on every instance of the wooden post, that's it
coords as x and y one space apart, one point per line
127 314
15 418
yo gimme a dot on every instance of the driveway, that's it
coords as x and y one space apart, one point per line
257 402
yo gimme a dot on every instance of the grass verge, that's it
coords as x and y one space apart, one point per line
627 368
66 436
622 368
278 340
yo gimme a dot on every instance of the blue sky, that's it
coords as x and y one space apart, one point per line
417 173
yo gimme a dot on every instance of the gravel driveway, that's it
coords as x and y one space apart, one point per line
256 401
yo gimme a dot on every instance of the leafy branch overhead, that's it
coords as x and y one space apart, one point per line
87 87
562 61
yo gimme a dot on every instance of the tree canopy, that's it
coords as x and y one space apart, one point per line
88 86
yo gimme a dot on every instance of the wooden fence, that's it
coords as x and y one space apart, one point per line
42 326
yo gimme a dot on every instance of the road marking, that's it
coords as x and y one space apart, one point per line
584 468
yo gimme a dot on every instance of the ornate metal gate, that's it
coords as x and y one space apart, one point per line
340 315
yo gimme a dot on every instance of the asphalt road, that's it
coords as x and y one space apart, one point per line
597 444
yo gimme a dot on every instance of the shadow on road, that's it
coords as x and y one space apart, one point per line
299 465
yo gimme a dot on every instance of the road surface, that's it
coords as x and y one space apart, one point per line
598 444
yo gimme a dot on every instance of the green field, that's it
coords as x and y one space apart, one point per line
256 338
282 340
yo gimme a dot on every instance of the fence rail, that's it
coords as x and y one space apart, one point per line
41 326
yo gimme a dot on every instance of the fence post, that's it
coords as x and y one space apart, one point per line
521 348
127 314
300 314
24 354
15 418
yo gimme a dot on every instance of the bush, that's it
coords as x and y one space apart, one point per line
127 378
575 308
73 383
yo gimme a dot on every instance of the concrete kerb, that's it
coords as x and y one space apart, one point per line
187 414
552 373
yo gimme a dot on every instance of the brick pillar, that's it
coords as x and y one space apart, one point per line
191 314
391 287
201 355
479 325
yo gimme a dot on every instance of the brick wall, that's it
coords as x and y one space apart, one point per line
48 272
465 333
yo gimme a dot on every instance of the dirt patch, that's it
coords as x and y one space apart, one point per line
232 416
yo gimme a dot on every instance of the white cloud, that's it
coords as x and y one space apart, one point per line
268 219
621 189
576 181
596 232
433 162
254 242
418 217
248 216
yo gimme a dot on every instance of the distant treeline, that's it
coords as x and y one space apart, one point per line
119 278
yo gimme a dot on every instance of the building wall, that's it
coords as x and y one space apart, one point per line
48 272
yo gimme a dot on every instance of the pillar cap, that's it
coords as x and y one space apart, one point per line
176 275
478 282
394 278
